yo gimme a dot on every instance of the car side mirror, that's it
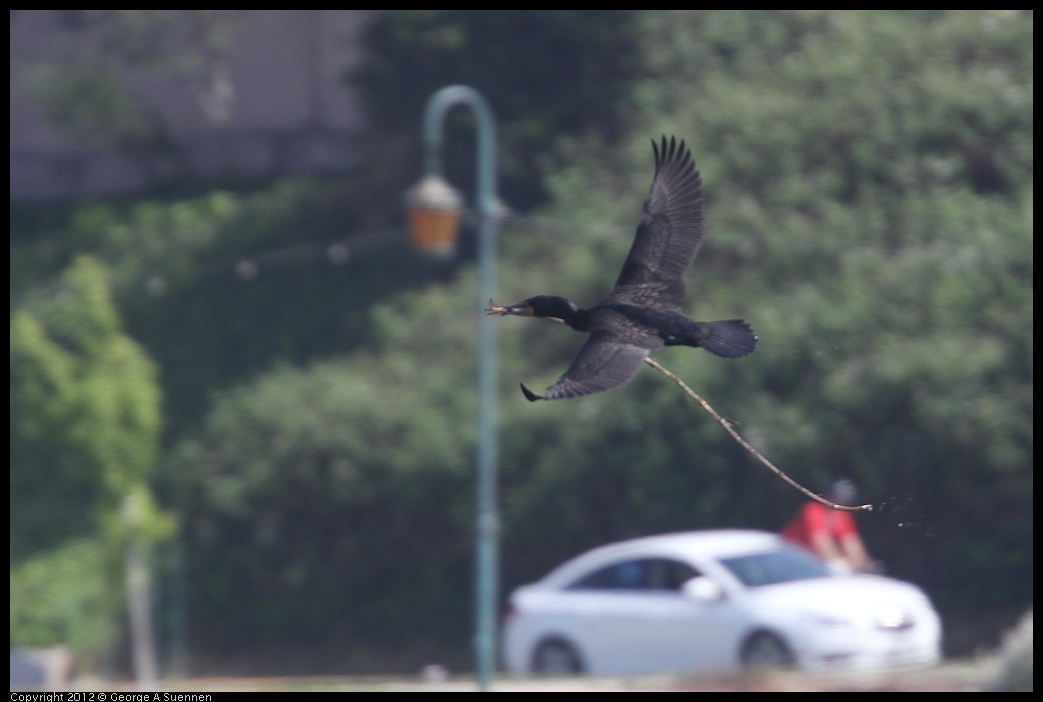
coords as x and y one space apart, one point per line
703 589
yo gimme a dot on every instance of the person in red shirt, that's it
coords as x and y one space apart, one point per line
831 534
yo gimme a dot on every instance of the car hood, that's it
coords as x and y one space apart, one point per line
845 595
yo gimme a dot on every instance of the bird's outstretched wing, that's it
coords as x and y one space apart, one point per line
669 233
603 362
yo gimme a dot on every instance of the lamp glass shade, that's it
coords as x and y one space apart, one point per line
434 216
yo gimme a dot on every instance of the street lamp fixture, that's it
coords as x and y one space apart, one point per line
434 216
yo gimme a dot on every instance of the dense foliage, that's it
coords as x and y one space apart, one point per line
869 183
85 429
549 75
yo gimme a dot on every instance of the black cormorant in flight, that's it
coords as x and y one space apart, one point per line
640 314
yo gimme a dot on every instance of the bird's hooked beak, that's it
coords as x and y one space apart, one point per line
522 309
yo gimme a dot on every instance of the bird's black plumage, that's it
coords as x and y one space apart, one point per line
639 314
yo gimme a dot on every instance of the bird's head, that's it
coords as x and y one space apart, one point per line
539 306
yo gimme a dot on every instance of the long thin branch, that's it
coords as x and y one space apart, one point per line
745 444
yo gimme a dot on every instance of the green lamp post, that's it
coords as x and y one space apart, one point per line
434 208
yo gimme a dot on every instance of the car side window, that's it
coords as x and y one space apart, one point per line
628 575
666 574
661 574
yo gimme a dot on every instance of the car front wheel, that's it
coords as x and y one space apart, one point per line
765 650
556 657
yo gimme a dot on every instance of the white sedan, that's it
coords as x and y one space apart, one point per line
712 601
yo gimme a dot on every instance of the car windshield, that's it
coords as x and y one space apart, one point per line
772 567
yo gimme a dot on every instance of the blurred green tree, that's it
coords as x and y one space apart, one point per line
85 404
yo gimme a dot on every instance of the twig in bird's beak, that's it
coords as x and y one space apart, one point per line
522 310
493 308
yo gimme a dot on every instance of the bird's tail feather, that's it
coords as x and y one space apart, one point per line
730 338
